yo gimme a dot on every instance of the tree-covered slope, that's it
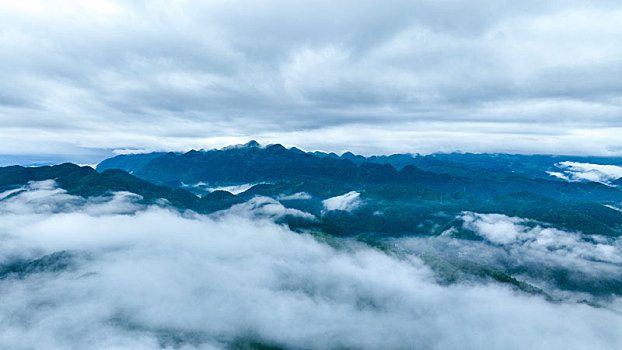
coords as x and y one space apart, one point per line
87 182
392 202
376 204
481 176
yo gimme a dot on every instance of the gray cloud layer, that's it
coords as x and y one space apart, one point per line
149 277
373 76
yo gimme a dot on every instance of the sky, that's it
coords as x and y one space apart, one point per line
84 80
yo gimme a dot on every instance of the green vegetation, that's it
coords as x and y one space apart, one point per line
401 195
55 262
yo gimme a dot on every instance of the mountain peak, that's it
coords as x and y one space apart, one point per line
252 144
249 144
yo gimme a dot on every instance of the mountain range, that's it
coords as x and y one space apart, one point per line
410 191
374 199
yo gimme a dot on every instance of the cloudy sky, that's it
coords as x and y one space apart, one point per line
81 80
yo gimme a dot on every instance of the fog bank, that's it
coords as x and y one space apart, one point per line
150 277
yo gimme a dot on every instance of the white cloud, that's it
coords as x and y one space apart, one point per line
497 228
266 207
295 196
574 171
156 278
544 243
613 207
234 189
345 202
566 265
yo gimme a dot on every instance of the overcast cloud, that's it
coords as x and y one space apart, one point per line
81 79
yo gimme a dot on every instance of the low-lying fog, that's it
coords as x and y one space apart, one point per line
130 276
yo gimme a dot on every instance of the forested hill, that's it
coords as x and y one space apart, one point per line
371 202
389 200
480 176
86 182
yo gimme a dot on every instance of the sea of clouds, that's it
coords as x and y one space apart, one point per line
152 277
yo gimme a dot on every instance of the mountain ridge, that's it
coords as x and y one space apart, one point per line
408 199
275 163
